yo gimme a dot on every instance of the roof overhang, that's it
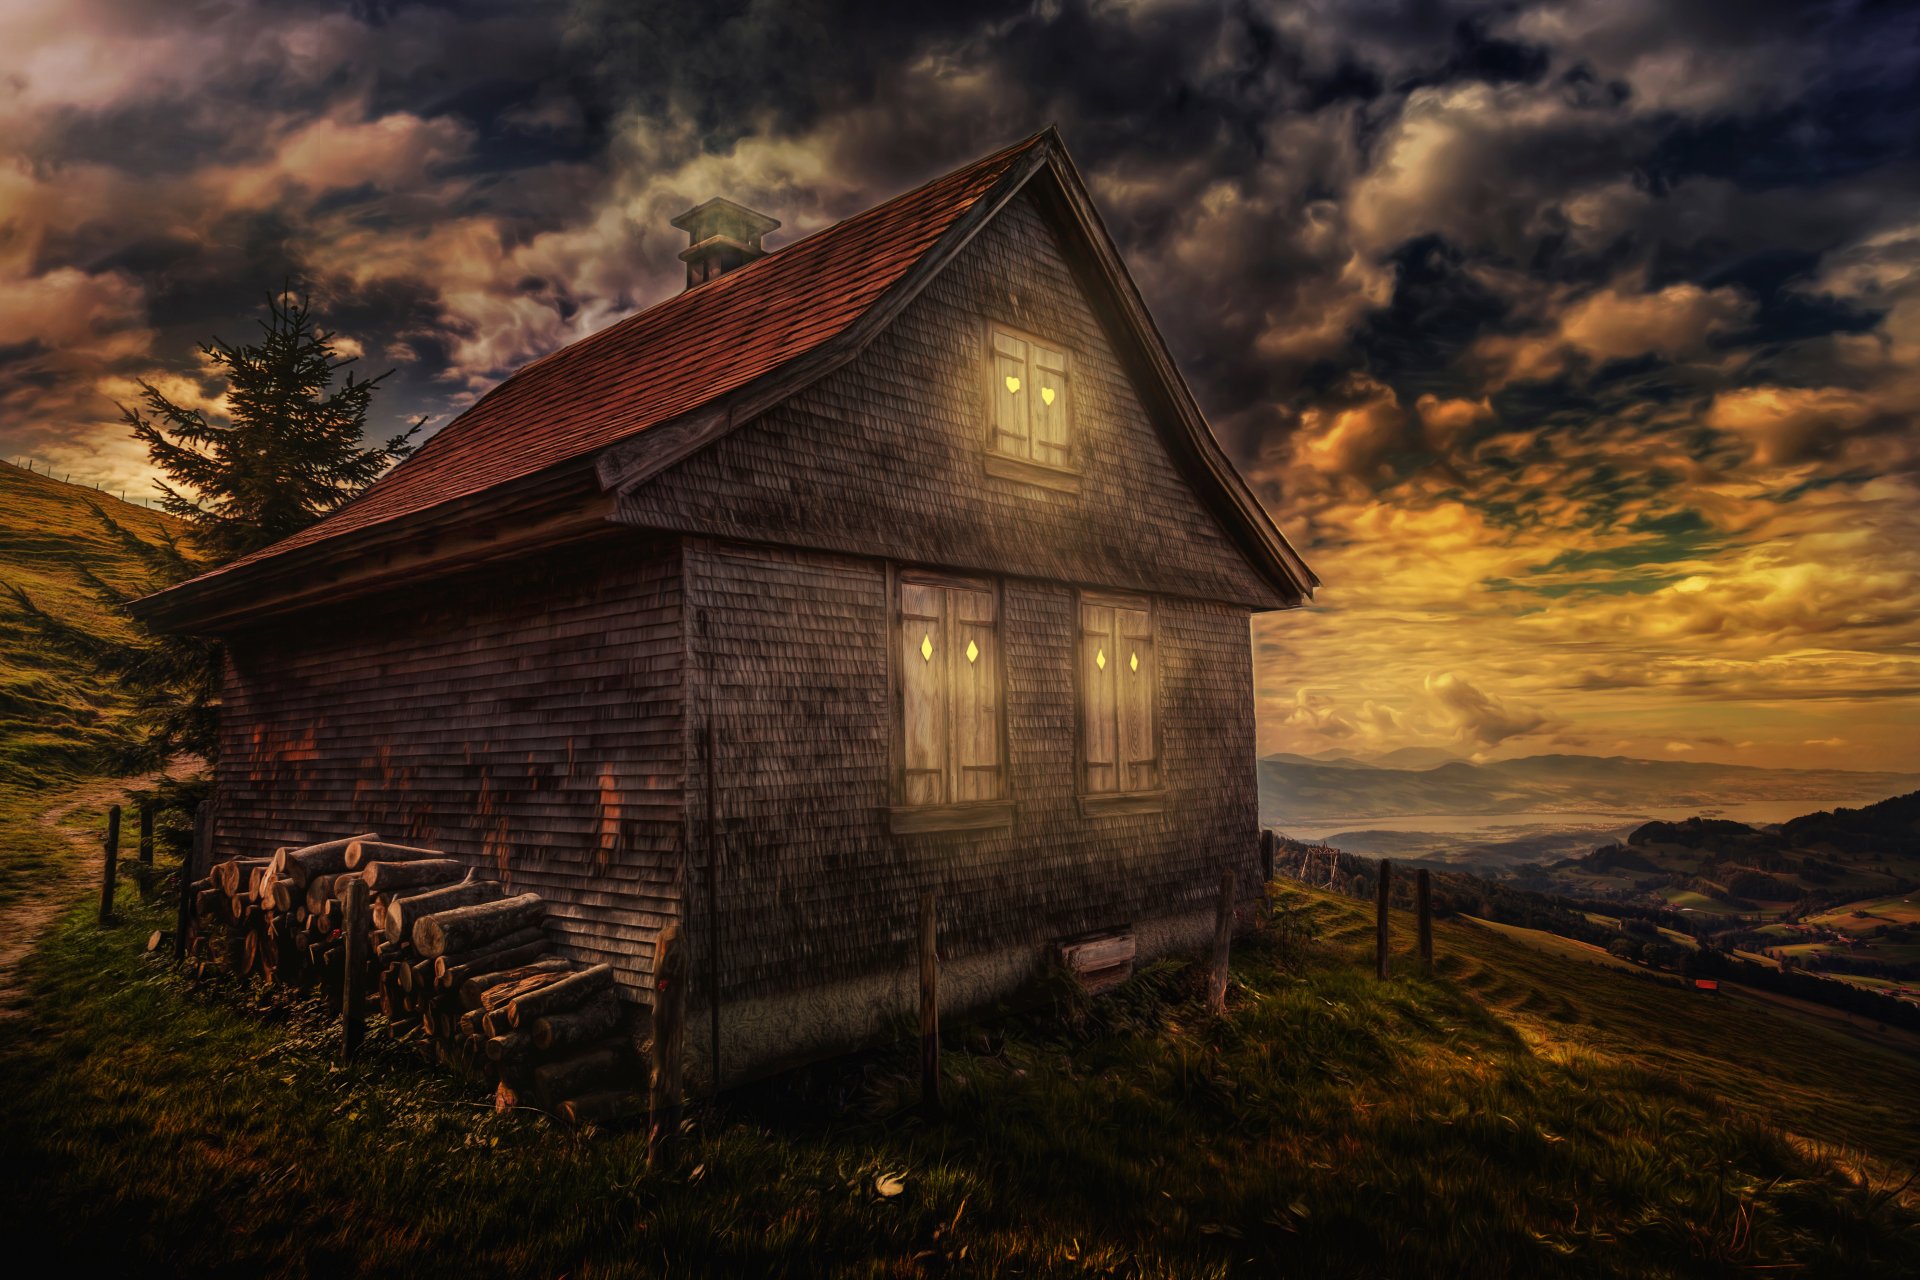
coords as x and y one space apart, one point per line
537 512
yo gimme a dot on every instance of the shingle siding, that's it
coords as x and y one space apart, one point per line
529 721
788 663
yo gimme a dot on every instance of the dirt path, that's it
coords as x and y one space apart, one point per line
76 816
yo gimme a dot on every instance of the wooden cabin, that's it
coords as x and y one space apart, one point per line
892 561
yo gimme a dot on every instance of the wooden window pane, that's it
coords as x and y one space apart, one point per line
1047 406
975 657
1011 396
1098 726
923 693
1139 762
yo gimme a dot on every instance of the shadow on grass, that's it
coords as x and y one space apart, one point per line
1330 1124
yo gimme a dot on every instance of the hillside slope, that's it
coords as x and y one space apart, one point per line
1295 790
1514 1114
54 716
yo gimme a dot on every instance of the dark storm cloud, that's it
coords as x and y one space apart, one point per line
1612 303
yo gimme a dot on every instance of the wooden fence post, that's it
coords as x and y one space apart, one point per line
669 1035
202 835
1222 941
929 1002
1423 900
353 970
1380 913
110 865
1268 843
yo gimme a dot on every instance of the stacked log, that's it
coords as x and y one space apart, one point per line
455 963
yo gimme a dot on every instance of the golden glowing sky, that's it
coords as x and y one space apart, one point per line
1577 344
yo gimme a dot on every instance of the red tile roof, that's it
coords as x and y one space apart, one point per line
667 360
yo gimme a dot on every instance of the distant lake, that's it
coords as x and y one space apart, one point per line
1755 812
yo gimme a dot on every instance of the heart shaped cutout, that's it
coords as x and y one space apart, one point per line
1046 394
1013 383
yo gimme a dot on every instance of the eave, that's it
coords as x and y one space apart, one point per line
535 513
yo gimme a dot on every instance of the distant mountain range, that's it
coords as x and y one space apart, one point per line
1419 780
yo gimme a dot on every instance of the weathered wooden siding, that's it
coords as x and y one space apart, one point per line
888 455
527 720
787 659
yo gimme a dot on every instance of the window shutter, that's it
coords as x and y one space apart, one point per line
1047 406
1098 725
1011 396
975 657
923 693
1133 647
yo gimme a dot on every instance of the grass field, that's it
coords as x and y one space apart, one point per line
1568 948
34 853
1689 900
55 717
1518 1113
1858 917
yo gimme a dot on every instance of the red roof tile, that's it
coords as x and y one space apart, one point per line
667 360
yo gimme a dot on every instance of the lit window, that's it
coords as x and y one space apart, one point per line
1030 401
1119 736
951 744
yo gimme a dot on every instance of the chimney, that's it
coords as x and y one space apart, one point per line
723 235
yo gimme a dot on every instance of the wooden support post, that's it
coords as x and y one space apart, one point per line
929 1002
1423 899
669 1036
1380 914
202 837
1222 942
353 971
110 865
713 907
146 833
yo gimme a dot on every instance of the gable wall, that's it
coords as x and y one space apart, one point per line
887 455
528 721
788 657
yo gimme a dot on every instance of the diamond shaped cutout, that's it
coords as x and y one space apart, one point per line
1100 659
926 647
1134 662
973 651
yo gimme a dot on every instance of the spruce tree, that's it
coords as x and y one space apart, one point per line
289 451
286 452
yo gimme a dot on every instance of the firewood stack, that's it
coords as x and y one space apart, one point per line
455 963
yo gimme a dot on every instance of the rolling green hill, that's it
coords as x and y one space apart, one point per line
55 719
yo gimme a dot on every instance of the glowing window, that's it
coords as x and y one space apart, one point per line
1119 733
951 748
1030 400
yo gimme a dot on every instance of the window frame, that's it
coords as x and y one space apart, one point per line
952 815
1117 803
1063 478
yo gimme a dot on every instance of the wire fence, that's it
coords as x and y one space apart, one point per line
40 467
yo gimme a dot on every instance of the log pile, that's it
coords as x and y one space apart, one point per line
458 966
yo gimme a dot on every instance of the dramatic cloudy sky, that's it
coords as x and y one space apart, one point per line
1575 342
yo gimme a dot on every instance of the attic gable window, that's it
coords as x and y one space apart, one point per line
1119 683
1030 410
952 761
